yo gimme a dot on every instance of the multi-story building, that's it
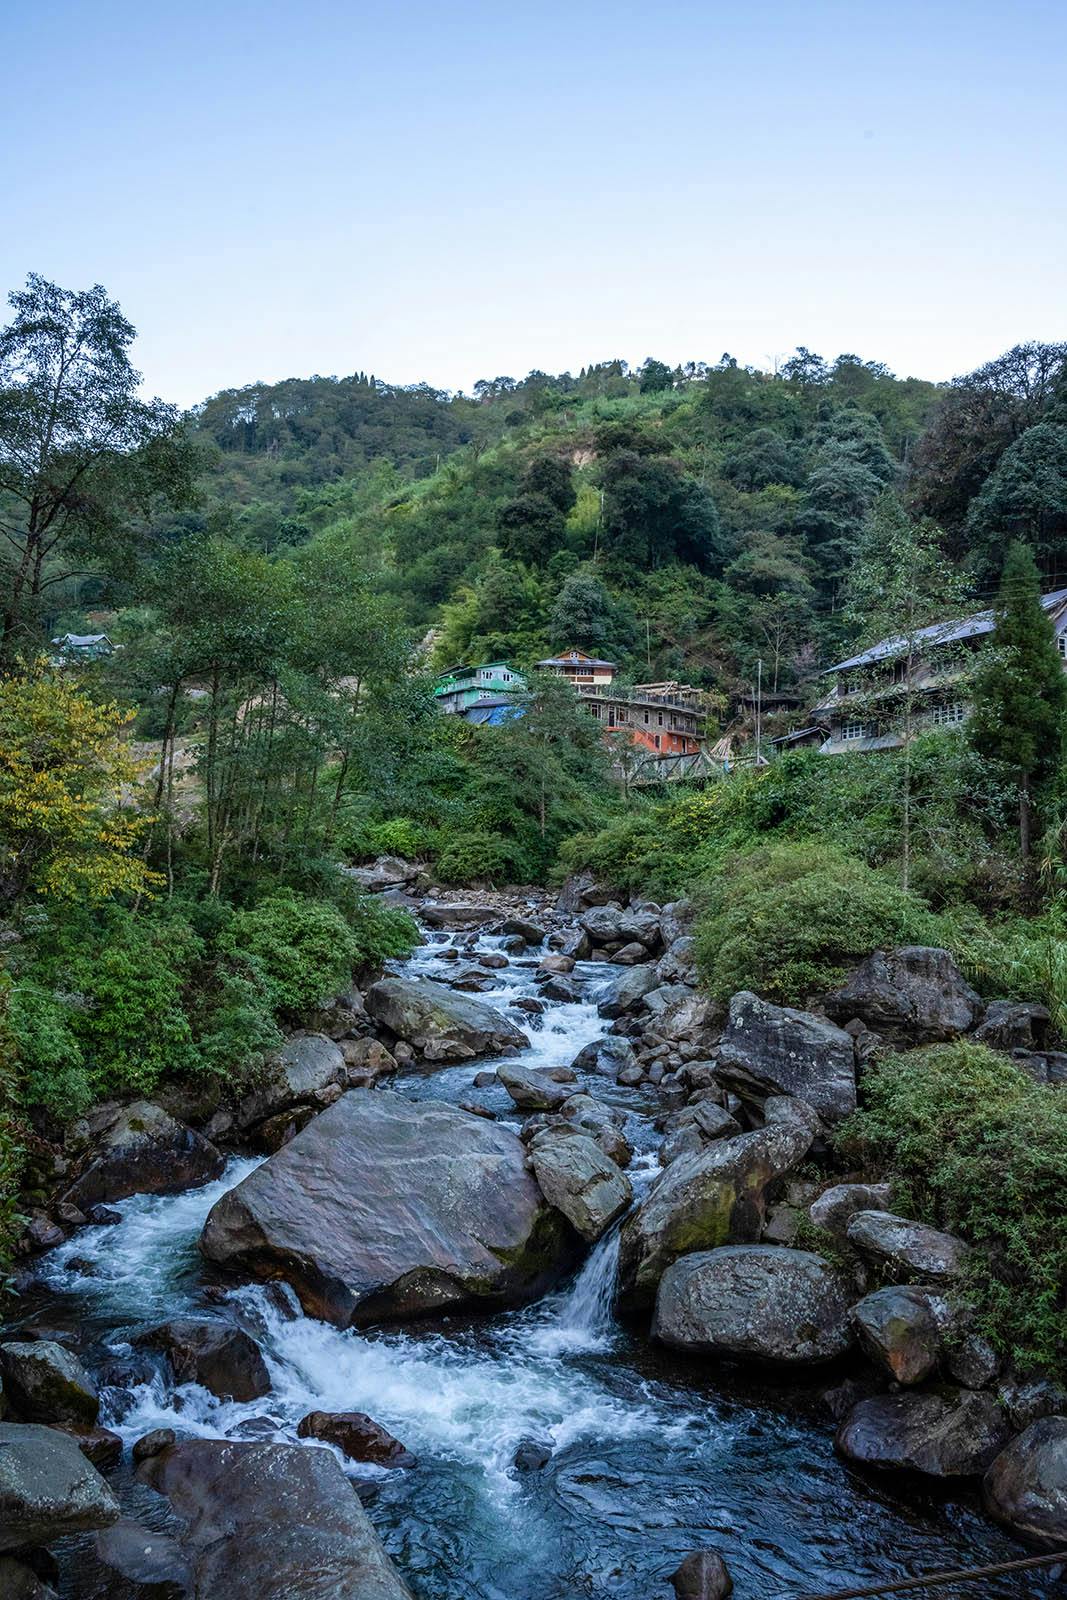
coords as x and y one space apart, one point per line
460 687
585 672
668 719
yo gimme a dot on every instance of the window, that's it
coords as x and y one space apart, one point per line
1061 645
852 730
949 715
646 719
656 737
659 718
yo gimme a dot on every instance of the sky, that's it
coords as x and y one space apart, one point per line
444 192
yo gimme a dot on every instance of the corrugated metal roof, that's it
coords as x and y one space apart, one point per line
939 633
571 658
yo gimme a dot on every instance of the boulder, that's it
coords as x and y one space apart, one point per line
456 914
367 1060
758 1302
580 891
1026 1485
605 1056
554 965
388 872
702 1576
143 1564
901 1249
532 1089
387 1207
357 1436
1014 1025
687 1018
948 1433
1026 1399
835 1207
46 1383
144 1151
306 1064
695 1126
627 991
218 1355
531 932
267 1521
767 1049
531 1455
47 1487
608 925
900 1332
150 1444
578 1179
914 995
702 1201
565 990
440 1024
98 1445
602 1124
678 964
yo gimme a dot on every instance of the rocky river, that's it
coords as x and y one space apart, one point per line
551 1451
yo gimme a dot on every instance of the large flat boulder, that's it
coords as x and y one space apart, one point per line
47 1383
47 1487
218 1355
767 1049
1026 1486
271 1521
144 1150
306 1064
439 1023
914 995
756 1302
385 1207
457 914
580 1180
902 1249
715 1197
947 1433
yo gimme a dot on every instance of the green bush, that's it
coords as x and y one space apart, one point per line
303 950
473 855
789 920
973 1145
12 1154
400 836
52 1072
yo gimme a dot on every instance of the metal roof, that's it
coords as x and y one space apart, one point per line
79 641
571 658
939 633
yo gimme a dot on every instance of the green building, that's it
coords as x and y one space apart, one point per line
460 687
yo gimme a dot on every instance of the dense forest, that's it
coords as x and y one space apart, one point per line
282 570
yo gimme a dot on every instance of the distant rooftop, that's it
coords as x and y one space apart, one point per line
81 641
938 633
574 658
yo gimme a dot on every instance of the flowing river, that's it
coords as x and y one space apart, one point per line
651 1456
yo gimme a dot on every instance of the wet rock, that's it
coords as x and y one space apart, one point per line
913 995
531 1455
531 1088
457 914
706 1200
973 1362
602 1124
554 965
1026 1485
562 990
758 1302
19 1582
306 1063
1014 1025
627 991
767 1049
578 1179
367 1060
70 1216
150 1444
217 1355
949 1433
440 1024
357 1436
630 955
493 960
46 1383
483 1080
899 1331
702 1576
144 1151
292 1523
608 925
605 1056
98 1445
41 1233
275 1132
835 1207
902 1249
1028 1399
103 1216
527 1003
142 1564
840 1398
47 1487
531 932
694 1127
386 1207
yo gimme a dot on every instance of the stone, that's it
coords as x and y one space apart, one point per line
903 1249
767 1049
757 1302
456 914
218 1355
706 1200
562 990
601 1123
530 932
554 965
143 1564
357 1436
688 1017
1025 1487
385 1207
836 1206
41 1233
605 1056
703 1575
676 920
47 1487
277 1131
98 1445
694 1127
678 964
630 955
440 1024
578 1179
608 925
306 1062
19 1581
103 1216
493 960
1027 1399
367 1060
531 1088
973 1362
913 995
150 1444
47 1383
144 1151
627 991
531 1455
948 1433
898 1330
1014 1025
291 1523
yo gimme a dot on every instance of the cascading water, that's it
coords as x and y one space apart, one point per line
650 1457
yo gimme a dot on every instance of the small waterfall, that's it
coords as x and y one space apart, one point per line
583 1318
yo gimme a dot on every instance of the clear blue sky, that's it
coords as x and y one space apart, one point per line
453 191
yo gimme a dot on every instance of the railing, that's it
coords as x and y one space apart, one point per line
603 691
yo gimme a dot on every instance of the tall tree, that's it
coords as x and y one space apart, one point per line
1020 701
81 455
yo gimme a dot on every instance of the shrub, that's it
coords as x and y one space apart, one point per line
381 933
972 1144
474 854
791 919
51 1066
400 836
303 950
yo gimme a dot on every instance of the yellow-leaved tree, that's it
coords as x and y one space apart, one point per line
70 802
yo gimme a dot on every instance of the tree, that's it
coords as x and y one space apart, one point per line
761 458
586 616
1026 496
69 819
900 581
653 514
81 455
837 496
655 376
1020 698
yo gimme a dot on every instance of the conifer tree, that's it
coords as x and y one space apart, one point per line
1020 701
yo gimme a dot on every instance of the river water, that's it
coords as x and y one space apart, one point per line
652 1456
